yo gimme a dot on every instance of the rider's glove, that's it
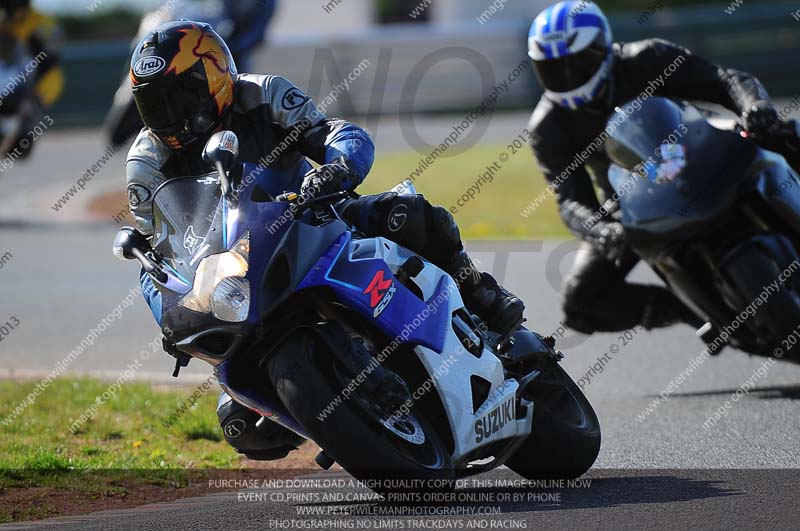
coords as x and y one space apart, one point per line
761 119
328 179
611 241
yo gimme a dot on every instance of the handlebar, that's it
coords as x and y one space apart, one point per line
304 204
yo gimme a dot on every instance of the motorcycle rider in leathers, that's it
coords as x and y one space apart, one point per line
585 76
38 35
186 88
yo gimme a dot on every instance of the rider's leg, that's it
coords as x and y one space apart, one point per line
263 440
597 298
414 223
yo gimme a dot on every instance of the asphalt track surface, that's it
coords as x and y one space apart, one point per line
662 469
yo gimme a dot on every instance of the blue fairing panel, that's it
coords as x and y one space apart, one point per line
265 406
369 287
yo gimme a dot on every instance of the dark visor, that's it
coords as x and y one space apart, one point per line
568 73
167 105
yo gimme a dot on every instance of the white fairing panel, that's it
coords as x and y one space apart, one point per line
452 369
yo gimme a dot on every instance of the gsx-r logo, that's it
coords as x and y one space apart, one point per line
380 293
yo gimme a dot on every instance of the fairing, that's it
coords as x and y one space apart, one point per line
193 221
369 287
672 171
288 256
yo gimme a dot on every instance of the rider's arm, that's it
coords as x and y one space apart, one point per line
690 77
322 140
143 175
557 158
333 139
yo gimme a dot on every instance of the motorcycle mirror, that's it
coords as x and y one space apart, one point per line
222 150
130 244
127 241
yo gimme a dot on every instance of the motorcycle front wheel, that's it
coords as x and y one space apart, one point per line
386 447
779 317
565 439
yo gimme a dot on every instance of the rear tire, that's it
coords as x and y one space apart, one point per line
566 437
306 376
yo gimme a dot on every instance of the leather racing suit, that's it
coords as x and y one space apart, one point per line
595 295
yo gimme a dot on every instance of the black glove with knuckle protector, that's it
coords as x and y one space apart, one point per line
761 119
328 179
611 241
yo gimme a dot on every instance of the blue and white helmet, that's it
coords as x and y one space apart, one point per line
570 44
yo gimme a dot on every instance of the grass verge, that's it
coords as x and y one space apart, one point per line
128 454
495 212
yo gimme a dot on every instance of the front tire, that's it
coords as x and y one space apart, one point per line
779 316
565 439
308 379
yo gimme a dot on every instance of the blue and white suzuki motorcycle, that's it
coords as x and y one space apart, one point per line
355 343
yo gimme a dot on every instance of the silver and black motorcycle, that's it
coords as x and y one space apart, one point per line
18 108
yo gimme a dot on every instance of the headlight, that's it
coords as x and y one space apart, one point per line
213 270
231 300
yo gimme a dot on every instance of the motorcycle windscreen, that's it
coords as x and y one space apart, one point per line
670 167
648 139
189 223
649 146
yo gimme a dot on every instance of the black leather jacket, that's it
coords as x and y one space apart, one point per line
558 134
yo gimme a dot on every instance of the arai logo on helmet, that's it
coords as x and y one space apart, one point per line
147 66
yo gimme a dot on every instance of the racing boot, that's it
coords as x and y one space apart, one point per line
249 433
711 336
499 308
664 309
